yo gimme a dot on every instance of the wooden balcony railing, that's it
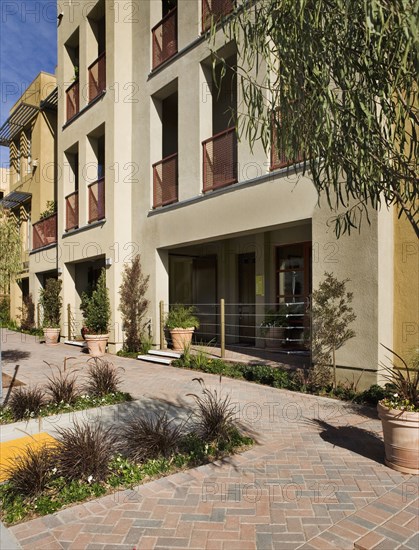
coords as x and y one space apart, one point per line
220 160
73 99
278 157
97 77
214 10
165 38
280 160
165 181
72 211
44 232
97 200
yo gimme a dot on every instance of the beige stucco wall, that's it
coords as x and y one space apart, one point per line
109 116
364 257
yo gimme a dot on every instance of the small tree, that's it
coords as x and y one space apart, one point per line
332 313
28 313
51 302
10 249
133 305
97 308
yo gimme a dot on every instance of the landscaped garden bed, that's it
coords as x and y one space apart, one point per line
90 460
65 391
315 381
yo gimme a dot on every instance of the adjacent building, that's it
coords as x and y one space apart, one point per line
30 134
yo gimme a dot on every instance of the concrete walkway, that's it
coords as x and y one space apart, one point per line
314 480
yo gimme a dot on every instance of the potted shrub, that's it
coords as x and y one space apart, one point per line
51 302
273 327
399 415
181 322
97 313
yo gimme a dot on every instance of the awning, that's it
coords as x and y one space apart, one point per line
20 117
15 198
51 101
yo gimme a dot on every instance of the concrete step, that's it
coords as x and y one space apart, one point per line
164 353
78 343
154 359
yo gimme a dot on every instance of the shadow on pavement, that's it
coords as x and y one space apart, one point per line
352 438
14 355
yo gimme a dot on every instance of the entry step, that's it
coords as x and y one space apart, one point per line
154 359
78 343
162 353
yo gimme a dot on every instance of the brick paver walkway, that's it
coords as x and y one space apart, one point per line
314 480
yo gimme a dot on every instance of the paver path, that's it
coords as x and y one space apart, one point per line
315 478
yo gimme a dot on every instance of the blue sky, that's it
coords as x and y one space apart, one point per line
28 45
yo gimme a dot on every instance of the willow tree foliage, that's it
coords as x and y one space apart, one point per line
335 82
10 249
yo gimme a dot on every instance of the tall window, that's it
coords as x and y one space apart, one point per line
28 139
293 272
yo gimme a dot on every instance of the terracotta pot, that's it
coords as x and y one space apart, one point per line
96 344
401 439
181 338
274 337
51 335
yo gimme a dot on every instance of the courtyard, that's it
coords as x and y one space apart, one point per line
314 479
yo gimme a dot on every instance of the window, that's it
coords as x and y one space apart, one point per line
293 272
28 139
15 158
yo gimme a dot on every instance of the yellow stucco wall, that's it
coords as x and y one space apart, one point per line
406 287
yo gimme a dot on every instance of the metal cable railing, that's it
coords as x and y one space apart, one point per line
283 327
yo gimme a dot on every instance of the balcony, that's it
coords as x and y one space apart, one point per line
214 10
97 77
278 157
44 232
165 181
165 38
97 200
73 100
72 211
220 160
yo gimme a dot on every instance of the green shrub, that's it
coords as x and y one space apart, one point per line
49 210
51 302
4 310
181 316
374 394
146 343
96 308
28 313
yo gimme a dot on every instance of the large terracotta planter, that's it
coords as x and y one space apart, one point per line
96 344
401 439
51 335
181 338
274 337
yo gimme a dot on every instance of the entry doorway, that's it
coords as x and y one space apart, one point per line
193 281
247 298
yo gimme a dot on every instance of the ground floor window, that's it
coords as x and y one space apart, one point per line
293 272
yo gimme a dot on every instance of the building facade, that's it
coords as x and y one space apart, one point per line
148 162
30 134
